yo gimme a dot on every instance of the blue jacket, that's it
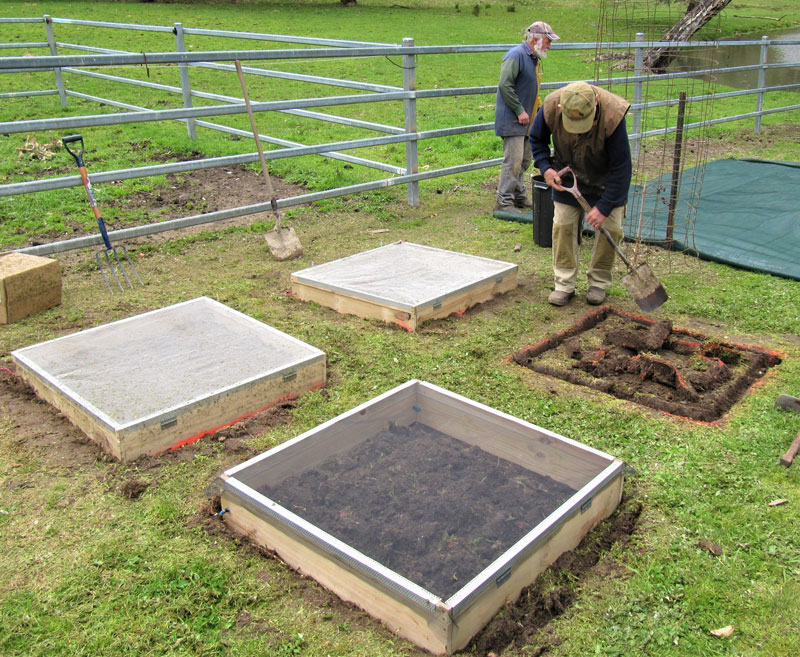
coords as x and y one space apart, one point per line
516 93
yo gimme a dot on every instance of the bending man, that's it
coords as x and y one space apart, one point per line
587 127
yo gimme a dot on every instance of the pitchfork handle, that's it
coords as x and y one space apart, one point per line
69 139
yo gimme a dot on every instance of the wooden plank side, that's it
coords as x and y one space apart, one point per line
349 305
95 430
566 538
370 309
428 630
323 443
192 423
205 418
499 435
461 301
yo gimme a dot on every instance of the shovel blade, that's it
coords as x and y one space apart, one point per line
645 288
283 243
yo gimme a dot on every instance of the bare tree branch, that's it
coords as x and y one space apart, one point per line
698 13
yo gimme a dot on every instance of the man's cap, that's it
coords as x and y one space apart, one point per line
578 107
540 27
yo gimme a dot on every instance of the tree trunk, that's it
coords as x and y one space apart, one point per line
697 15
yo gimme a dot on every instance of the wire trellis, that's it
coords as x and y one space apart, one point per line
669 165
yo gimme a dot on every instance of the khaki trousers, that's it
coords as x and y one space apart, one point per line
565 248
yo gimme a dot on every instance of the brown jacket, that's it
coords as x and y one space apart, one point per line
585 153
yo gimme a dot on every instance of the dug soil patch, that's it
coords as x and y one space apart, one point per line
651 362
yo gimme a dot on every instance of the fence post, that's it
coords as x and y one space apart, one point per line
186 87
62 93
762 82
638 70
410 112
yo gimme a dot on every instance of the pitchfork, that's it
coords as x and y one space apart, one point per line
113 260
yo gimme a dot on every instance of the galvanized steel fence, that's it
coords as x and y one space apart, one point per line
313 48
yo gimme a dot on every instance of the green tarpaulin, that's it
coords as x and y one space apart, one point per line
748 214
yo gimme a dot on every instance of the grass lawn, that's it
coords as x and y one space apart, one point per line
90 569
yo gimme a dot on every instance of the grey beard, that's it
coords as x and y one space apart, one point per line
541 54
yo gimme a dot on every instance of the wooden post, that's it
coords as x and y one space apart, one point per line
676 170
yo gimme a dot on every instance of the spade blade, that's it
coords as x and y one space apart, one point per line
645 288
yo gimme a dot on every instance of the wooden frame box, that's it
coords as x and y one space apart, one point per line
404 283
28 285
439 625
167 377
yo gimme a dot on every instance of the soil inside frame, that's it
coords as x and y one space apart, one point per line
424 504
651 362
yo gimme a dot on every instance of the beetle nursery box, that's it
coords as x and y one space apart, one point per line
165 378
404 283
28 285
426 509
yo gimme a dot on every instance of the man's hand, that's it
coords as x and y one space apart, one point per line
524 118
552 178
595 218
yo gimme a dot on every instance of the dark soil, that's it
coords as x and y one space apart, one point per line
428 506
526 621
650 362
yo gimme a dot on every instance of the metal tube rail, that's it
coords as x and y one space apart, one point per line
211 217
22 45
21 94
226 99
65 123
725 119
300 77
46 62
26 187
245 133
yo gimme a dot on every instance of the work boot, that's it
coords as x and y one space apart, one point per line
595 295
523 203
559 298
501 207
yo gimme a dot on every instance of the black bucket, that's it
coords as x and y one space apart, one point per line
542 212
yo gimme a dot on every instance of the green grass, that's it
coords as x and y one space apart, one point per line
50 215
86 571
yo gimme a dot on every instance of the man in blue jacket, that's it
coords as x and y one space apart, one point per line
587 127
516 105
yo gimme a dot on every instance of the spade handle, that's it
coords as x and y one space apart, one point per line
587 208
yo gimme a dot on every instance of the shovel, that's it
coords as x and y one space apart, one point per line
282 240
113 261
641 282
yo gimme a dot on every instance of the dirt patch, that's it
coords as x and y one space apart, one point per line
209 190
650 362
41 427
428 506
525 622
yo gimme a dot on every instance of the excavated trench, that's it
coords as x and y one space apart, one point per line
651 362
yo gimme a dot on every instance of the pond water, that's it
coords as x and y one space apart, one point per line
726 56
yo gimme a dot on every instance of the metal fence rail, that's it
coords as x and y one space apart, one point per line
408 175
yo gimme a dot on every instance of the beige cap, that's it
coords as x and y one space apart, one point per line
540 27
578 107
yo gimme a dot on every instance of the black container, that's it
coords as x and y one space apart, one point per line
542 212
